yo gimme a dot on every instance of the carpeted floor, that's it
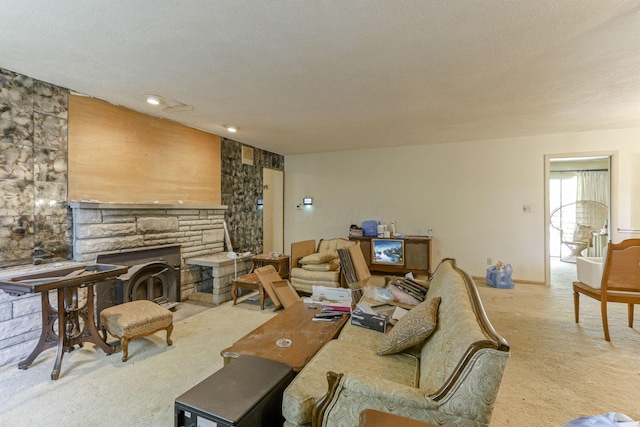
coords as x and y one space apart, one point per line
558 371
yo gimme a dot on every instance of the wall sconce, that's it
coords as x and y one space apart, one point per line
307 201
260 203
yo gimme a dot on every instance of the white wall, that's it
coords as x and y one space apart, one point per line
470 193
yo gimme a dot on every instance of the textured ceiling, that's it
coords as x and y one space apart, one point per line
313 76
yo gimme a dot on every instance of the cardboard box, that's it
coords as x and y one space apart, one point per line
376 322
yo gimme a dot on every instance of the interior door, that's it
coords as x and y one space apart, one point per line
560 188
273 211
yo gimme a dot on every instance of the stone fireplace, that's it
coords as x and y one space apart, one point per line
100 228
154 275
108 231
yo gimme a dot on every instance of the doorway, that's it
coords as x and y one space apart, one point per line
272 210
572 182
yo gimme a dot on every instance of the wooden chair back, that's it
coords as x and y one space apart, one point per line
300 250
621 270
620 281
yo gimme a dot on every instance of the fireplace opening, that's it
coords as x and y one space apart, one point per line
154 275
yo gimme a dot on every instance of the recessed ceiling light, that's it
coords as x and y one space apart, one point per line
154 99
232 129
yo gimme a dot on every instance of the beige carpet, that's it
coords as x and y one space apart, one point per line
558 371
99 390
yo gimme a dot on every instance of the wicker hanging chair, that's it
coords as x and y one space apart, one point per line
576 221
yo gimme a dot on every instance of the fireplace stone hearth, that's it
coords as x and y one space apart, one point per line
110 227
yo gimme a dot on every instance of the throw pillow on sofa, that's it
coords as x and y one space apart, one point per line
413 328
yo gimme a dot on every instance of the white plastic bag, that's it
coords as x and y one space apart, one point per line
610 419
379 294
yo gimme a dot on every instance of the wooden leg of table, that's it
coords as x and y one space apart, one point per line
90 331
234 292
228 357
62 334
48 336
261 292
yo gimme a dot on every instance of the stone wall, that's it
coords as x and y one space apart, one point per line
110 227
33 169
36 222
241 188
33 175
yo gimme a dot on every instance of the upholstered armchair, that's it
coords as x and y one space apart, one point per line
316 266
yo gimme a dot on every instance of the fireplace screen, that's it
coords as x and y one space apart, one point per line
154 274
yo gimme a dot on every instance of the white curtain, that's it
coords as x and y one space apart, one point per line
594 185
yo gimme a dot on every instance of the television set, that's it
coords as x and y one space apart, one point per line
387 252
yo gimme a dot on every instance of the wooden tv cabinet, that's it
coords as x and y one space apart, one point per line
417 255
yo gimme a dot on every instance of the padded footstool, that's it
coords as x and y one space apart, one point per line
133 320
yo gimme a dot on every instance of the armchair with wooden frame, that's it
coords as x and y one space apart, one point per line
620 281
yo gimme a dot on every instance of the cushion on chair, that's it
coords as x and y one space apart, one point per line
318 258
135 318
582 233
332 265
589 271
332 245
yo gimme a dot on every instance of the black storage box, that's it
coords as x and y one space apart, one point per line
246 392
377 322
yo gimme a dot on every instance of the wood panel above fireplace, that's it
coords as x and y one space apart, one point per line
120 155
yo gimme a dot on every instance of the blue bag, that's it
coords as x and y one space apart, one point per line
500 277
370 228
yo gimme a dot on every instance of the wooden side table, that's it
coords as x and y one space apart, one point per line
280 263
251 280
373 418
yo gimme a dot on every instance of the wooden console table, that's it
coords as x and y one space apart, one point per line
417 255
76 324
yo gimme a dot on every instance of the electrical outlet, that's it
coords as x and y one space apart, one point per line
489 261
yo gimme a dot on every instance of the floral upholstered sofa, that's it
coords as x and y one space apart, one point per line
451 378
316 266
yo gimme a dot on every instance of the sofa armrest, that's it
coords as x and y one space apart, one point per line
350 394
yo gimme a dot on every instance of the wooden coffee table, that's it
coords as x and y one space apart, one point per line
294 323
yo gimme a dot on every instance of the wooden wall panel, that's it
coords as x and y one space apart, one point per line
119 155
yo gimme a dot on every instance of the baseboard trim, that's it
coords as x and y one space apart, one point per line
525 282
